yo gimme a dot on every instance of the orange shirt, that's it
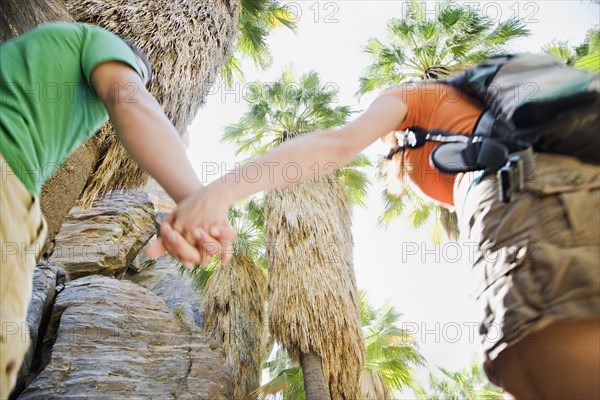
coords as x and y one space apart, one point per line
434 106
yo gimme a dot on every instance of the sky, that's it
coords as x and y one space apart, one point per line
427 283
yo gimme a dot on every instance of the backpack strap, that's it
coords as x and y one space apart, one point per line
415 136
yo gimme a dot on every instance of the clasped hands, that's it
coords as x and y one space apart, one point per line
196 230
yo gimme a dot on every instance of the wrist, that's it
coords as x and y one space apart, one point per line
223 191
188 191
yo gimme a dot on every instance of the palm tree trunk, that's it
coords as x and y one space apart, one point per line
61 192
18 16
314 381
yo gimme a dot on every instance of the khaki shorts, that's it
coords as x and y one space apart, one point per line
22 234
536 259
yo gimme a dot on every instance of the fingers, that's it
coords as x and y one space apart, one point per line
210 245
225 233
196 247
156 249
178 247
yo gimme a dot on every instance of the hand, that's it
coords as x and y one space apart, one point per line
172 242
200 219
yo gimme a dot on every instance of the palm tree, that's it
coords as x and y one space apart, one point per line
391 353
235 300
468 384
422 47
184 69
313 300
391 356
419 47
258 18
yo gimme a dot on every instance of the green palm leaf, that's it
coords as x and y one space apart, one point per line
590 62
457 36
258 18
467 384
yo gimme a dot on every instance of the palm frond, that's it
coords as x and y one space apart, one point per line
559 49
468 383
458 35
200 275
508 30
393 208
288 381
590 62
354 179
253 44
231 70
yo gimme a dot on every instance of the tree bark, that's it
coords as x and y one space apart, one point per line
61 192
18 16
315 386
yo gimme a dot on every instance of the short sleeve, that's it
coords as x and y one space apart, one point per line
100 45
416 96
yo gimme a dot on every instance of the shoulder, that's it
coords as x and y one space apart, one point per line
421 90
47 35
57 29
100 46
431 95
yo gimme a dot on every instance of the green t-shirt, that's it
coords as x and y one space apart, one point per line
47 104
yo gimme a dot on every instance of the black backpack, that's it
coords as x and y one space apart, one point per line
532 102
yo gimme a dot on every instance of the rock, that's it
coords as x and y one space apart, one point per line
45 279
163 278
106 238
111 339
162 201
160 218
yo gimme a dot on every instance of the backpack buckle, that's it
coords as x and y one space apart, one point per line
511 178
406 138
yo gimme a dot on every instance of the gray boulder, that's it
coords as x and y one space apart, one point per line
111 339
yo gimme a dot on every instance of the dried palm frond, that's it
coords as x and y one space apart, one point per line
234 314
372 386
313 298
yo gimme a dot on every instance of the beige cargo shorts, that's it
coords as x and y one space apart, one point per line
537 259
22 234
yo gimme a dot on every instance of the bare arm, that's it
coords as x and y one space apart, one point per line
144 129
152 141
311 155
314 155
